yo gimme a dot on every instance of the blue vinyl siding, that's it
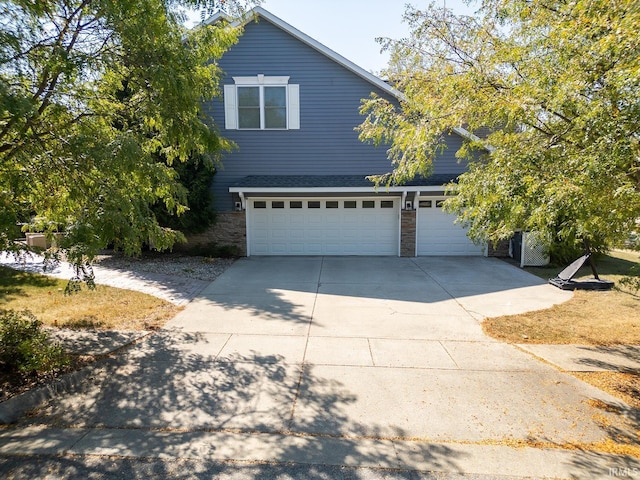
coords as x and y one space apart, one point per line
330 95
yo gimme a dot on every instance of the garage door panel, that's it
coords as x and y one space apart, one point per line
438 234
280 220
323 231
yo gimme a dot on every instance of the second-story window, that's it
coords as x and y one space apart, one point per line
262 103
262 107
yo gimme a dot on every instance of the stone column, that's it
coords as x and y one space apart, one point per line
408 233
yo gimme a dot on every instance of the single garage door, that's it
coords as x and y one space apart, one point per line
328 226
438 234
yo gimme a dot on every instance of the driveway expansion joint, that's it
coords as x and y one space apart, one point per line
437 404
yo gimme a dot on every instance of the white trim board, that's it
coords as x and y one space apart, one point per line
336 57
342 190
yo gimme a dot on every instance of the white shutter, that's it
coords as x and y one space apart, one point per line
230 108
294 107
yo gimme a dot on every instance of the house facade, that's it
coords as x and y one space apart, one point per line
296 184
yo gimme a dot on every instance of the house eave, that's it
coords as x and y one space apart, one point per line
338 190
336 57
303 37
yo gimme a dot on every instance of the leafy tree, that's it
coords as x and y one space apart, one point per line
556 84
76 155
196 176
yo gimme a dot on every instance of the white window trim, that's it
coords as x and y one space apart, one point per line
261 80
292 91
262 106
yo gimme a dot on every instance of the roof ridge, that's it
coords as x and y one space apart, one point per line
313 43
333 55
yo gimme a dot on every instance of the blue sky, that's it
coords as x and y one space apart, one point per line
350 27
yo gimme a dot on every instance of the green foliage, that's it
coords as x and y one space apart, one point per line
83 276
25 346
196 176
76 155
632 281
556 84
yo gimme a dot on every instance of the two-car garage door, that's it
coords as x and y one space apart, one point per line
349 226
327 226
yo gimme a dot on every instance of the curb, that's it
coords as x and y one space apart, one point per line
15 407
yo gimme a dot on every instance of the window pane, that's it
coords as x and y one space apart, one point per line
249 117
425 203
275 107
439 203
277 204
332 204
259 204
275 97
386 203
275 117
349 204
313 204
368 204
295 204
249 96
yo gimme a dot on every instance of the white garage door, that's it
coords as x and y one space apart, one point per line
331 226
438 234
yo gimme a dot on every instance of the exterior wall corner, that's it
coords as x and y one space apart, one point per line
230 229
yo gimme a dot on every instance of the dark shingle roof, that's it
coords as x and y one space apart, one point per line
331 181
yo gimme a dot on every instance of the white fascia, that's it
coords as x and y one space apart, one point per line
336 57
348 64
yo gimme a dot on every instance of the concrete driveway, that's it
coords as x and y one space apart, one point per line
346 361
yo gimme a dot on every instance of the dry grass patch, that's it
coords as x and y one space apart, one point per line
625 386
105 307
589 318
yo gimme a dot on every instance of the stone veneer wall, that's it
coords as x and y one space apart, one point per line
408 233
230 229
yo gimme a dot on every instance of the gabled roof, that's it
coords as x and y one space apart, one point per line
303 37
336 57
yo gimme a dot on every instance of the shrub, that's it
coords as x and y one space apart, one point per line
212 249
196 176
25 347
632 281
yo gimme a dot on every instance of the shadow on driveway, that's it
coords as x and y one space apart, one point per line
283 294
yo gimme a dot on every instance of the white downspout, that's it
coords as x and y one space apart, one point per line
404 198
243 204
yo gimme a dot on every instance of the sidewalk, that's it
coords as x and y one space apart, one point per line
289 364
588 358
262 451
